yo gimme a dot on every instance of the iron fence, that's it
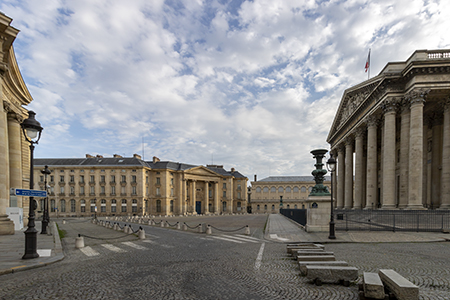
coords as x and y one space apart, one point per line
297 215
392 220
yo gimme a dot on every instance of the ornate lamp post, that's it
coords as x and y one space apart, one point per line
32 131
46 215
331 166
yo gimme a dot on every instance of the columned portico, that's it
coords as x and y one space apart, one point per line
445 186
371 179
389 155
348 197
359 167
341 177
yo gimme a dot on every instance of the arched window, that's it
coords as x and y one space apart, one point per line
310 189
63 205
124 205
103 205
287 206
171 206
158 206
273 207
113 205
265 207
258 189
257 207
52 205
266 189
73 207
273 189
224 206
295 189
303 189
83 205
295 206
93 205
288 189
280 189
134 205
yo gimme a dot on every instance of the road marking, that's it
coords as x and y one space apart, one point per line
44 252
275 236
89 251
226 239
259 257
114 248
155 243
240 238
133 245
249 237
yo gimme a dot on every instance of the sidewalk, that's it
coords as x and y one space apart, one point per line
282 229
12 248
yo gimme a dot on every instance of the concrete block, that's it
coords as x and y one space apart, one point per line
401 287
302 264
316 258
373 287
305 252
331 274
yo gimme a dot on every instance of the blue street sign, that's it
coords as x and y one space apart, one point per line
30 193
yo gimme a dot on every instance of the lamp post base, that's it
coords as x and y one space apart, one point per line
30 244
332 235
44 226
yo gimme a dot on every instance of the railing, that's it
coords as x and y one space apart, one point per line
392 220
297 215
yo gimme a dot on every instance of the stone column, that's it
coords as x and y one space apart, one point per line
359 167
372 155
404 155
15 154
216 197
6 225
334 179
445 179
436 155
206 197
340 177
389 202
417 99
193 196
348 194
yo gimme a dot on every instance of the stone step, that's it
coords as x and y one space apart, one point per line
302 264
316 258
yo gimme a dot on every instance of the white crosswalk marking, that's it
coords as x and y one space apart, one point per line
249 237
89 251
246 239
133 245
226 239
155 243
114 248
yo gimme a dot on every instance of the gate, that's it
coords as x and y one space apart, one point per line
297 215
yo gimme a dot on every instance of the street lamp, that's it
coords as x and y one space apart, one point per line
32 131
331 166
46 215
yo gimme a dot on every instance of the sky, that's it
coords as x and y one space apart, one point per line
250 85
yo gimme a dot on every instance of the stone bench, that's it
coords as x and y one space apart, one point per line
372 286
292 247
302 264
316 258
304 253
331 274
401 287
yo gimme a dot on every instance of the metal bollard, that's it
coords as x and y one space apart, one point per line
247 230
141 234
184 226
79 242
209 230
178 225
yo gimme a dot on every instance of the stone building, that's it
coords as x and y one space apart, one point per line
14 149
391 136
131 186
266 193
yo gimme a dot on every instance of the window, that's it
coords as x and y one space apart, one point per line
103 171
239 195
72 171
158 180
280 189
134 171
224 206
61 178
295 206
158 191
238 206
258 189
63 206
134 206
102 178
52 205
295 189
257 207
81 178
158 205
83 206
122 190
124 205
102 190
133 190
52 178
113 190
113 178
41 204
92 192
113 205
265 206
92 171
92 205
146 179
224 185
72 190
81 171
124 178
273 189
265 189
81 190
72 206
72 178
171 206
288 189
92 178
42 178
310 189
61 190
133 179
287 206
224 194
103 205
273 207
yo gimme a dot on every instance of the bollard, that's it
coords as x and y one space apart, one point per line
178 225
247 230
162 223
104 224
141 234
200 230
64 221
125 228
79 242
130 230
209 230
150 222
184 226
115 226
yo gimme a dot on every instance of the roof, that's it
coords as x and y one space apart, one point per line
291 178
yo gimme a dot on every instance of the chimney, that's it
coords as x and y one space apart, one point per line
232 170
155 159
117 156
137 156
255 178
99 156
89 156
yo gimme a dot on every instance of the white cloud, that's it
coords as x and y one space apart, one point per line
254 84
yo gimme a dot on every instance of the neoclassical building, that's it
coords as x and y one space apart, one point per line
110 186
391 137
14 149
294 190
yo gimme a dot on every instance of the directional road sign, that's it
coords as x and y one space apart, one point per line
30 193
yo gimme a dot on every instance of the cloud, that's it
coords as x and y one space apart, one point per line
250 84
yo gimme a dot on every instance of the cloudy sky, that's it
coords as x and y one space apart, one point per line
252 85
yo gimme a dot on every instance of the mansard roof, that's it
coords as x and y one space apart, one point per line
424 69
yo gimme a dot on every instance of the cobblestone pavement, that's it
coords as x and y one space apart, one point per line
172 264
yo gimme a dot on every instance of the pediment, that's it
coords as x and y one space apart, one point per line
201 171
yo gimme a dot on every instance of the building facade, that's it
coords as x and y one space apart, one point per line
294 190
110 186
14 149
391 137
